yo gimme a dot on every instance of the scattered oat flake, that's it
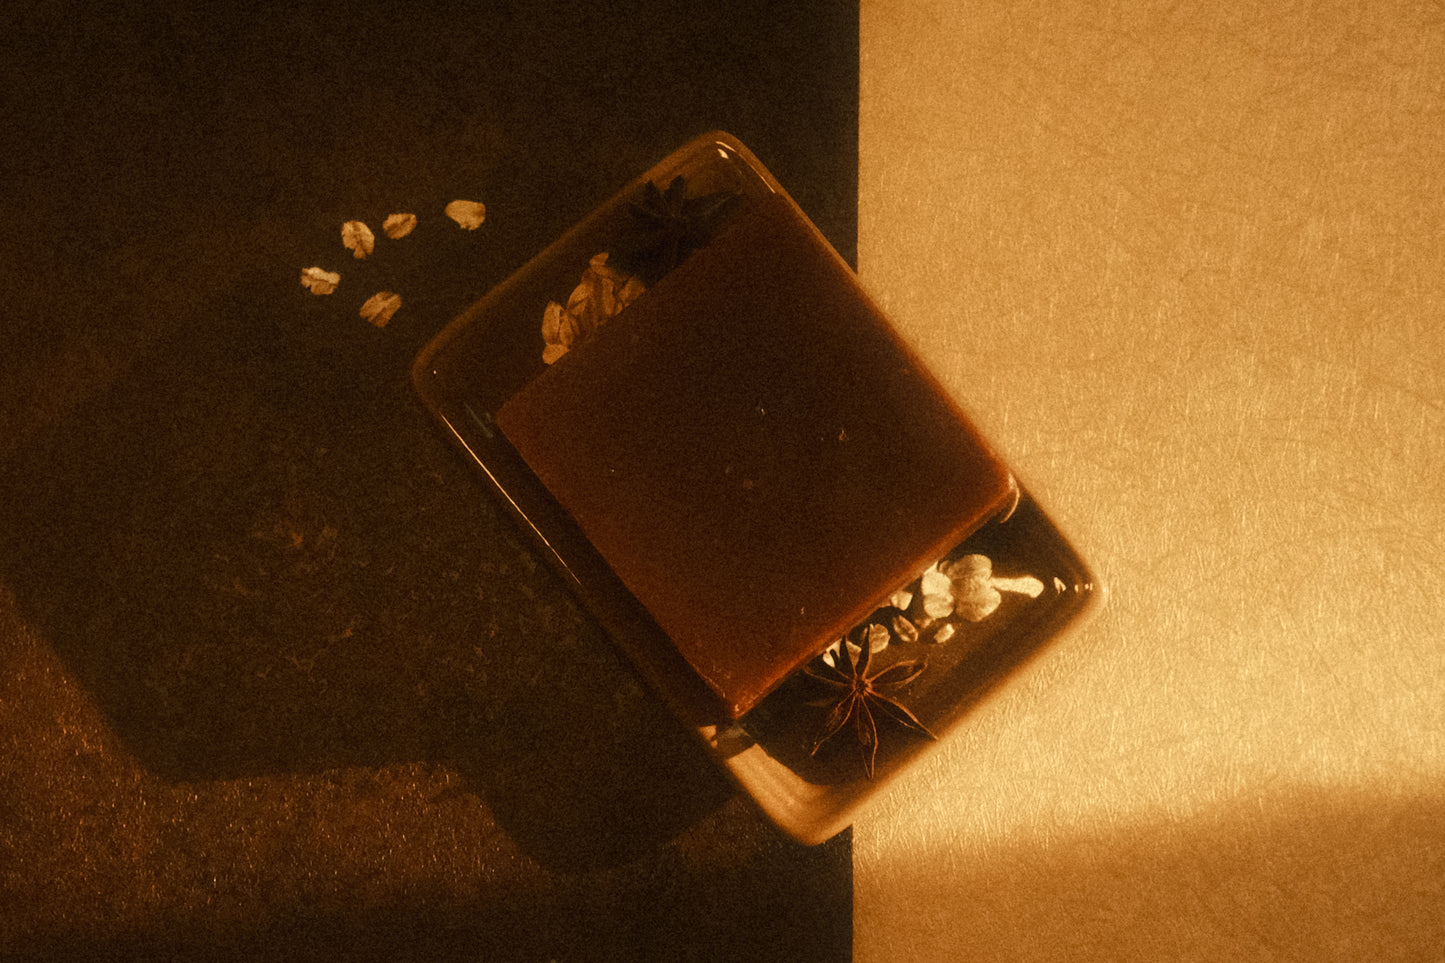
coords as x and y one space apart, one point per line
469 214
379 308
398 226
318 281
937 590
602 292
559 330
358 239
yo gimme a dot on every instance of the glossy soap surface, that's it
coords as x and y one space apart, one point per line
754 452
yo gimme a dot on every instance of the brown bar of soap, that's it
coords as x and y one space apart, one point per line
755 453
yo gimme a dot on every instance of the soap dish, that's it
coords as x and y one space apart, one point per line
801 541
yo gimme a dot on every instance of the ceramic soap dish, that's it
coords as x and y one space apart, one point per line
754 484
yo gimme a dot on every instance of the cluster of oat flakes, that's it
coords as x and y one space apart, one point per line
360 240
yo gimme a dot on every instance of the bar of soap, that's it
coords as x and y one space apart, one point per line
755 453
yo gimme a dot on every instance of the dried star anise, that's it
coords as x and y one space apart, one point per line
668 226
860 696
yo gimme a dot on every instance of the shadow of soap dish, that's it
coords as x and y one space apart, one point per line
754 484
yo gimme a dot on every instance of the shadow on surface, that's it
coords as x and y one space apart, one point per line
662 920
259 557
252 547
225 512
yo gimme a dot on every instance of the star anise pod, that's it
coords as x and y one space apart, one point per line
667 226
861 696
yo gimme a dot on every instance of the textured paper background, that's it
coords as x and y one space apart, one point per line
1187 264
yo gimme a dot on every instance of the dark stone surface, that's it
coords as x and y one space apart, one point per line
226 522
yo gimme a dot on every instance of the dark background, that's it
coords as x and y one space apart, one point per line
226 516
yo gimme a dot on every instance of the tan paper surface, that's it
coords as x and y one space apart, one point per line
1186 264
